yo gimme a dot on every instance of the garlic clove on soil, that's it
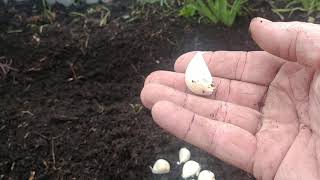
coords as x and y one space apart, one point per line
190 169
198 77
206 175
161 166
184 155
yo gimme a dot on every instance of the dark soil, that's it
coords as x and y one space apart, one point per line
70 106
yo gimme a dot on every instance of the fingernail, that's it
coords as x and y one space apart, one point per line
256 22
261 20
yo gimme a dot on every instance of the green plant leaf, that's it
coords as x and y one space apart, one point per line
188 10
236 7
203 10
212 5
214 10
223 12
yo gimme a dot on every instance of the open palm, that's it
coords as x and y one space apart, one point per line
264 116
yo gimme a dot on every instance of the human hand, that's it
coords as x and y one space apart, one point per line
265 114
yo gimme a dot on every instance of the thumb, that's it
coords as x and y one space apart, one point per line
293 41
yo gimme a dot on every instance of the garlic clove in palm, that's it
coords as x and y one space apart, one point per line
206 175
198 77
184 155
190 169
161 166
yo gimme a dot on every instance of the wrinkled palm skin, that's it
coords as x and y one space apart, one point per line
264 116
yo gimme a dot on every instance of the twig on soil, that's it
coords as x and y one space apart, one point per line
6 67
134 68
32 174
53 154
51 139
27 112
41 135
101 108
45 137
84 46
2 128
63 118
36 39
87 40
12 166
74 75
45 165
37 67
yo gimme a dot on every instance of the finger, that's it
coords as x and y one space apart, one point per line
293 41
237 92
240 116
254 67
225 141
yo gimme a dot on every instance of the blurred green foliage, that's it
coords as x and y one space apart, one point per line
214 10
161 2
309 6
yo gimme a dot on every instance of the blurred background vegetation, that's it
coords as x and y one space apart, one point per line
202 11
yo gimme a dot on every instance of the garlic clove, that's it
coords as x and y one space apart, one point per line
184 155
190 169
161 166
198 77
206 175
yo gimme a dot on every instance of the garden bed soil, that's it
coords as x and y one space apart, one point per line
70 107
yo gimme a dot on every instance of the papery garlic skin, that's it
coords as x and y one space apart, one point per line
184 155
198 77
190 169
161 166
206 175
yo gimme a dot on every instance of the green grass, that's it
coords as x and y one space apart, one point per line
308 6
214 10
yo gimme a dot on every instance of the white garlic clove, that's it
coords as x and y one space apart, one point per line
161 166
198 77
184 155
190 169
206 175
